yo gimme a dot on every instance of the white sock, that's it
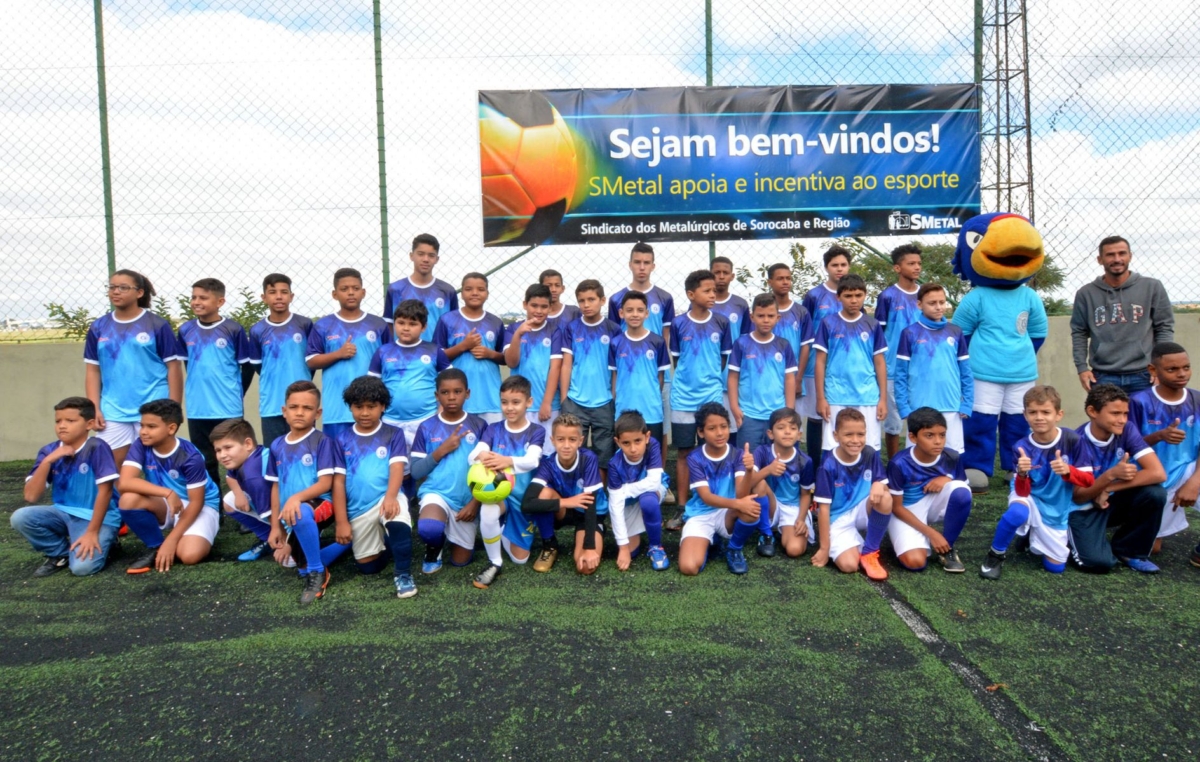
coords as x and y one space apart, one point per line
489 529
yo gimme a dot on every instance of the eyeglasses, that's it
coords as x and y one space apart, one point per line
124 288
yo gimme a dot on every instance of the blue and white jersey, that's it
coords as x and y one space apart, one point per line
76 480
821 302
850 346
298 465
907 474
582 476
483 376
329 334
179 470
409 371
719 474
448 479
251 476
699 348
1096 456
366 462
660 307
279 350
844 485
132 356
736 311
932 369
895 310
438 297
622 472
538 348
637 363
797 328
1150 413
566 314
587 343
215 355
1051 492
798 476
516 444
762 368
1000 323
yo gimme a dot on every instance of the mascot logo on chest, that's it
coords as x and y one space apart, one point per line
1000 250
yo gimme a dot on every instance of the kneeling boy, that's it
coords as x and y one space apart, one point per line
248 501
636 486
785 474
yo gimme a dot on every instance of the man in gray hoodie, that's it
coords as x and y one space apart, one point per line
1117 320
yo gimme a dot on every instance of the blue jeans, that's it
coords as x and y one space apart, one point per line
51 531
1130 382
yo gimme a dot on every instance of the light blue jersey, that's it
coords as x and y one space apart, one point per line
329 334
895 310
660 308
850 346
1000 323
448 479
215 355
132 357
844 485
933 369
797 328
637 363
439 297
483 376
1052 493
798 477
366 462
529 441
75 480
762 368
821 302
279 349
736 310
179 470
566 313
587 343
297 465
1150 413
719 474
409 371
538 348
700 348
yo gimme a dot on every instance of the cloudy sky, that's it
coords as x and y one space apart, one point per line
243 131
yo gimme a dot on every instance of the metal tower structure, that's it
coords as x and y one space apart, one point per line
1002 72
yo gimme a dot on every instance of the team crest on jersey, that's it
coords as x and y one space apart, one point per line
491 335
307 459
950 340
579 484
83 468
794 478
439 302
714 337
649 354
864 336
222 343
381 452
1190 420
733 317
173 474
1120 453
297 337
371 336
143 338
470 437
655 309
426 359
779 357
867 475
546 342
1022 322
604 339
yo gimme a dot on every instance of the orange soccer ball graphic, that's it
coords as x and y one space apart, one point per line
529 167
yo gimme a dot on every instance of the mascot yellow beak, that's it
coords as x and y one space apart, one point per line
1010 250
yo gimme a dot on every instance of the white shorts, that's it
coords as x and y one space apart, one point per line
806 404
369 538
930 510
117 434
874 431
893 423
228 503
408 427
634 523
460 533
993 399
205 525
732 423
786 515
954 431
1043 540
845 532
1174 521
706 525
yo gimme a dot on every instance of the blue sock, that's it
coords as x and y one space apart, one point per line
545 525
1052 567
764 515
261 529
1013 519
742 531
144 524
651 517
957 511
372 567
432 532
399 539
309 537
333 551
877 524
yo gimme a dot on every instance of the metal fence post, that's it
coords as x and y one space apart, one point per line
383 206
105 167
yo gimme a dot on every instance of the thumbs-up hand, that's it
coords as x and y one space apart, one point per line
1173 434
747 458
1024 462
1124 471
1058 465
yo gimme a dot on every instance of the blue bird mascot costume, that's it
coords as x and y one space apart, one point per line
1005 323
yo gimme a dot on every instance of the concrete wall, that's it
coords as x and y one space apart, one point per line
33 377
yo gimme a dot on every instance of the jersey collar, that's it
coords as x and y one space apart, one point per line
287 438
372 432
113 315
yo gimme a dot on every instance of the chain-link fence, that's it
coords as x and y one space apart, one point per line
243 135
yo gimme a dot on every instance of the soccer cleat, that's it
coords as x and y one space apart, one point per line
736 560
289 562
869 563
51 565
124 530
658 558
669 497
991 566
144 562
487 577
1194 559
255 553
545 560
405 586
951 562
675 524
1141 565
431 567
314 587
766 545
1020 543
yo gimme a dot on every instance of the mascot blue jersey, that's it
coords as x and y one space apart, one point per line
1004 320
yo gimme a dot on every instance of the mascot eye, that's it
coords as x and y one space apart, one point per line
973 239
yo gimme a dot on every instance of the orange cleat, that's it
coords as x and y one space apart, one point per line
869 563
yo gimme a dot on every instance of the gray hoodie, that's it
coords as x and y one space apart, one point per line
1114 329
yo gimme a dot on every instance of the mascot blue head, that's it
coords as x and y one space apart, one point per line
1001 250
